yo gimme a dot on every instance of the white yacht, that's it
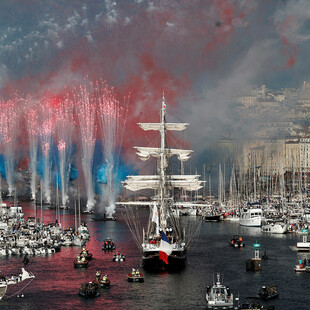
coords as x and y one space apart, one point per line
251 217
218 296
274 227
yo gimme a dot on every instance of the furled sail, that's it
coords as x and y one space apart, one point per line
146 152
168 126
186 182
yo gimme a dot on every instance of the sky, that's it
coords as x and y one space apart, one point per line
198 52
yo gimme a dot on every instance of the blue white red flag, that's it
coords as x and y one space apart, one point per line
164 101
165 248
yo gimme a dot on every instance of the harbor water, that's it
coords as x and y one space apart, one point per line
57 282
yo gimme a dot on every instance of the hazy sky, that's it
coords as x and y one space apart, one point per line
189 49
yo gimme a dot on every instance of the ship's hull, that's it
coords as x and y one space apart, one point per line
212 218
251 217
176 261
274 228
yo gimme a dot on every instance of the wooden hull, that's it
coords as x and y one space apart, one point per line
268 292
105 284
132 278
89 290
80 264
85 295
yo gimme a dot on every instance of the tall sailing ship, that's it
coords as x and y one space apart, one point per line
165 242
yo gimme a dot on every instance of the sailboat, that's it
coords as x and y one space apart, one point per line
165 242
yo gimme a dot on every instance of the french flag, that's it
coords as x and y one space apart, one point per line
165 248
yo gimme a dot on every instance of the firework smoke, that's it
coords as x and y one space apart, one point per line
86 112
9 132
32 127
64 123
112 122
46 141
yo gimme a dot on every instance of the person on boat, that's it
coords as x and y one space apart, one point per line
26 259
137 273
133 272
98 274
83 259
104 278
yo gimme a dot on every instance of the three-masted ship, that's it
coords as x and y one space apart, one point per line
163 224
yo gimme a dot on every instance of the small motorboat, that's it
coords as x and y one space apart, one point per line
274 227
218 296
104 282
119 257
85 253
212 216
303 266
135 276
108 245
236 242
268 292
104 218
80 262
254 306
90 289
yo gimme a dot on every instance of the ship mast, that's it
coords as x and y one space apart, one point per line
161 183
163 161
